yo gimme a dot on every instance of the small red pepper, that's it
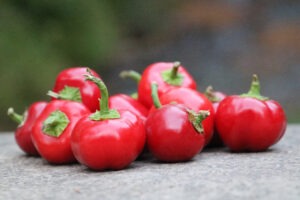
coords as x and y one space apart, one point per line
51 133
193 100
25 123
125 102
250 122
215 97
174 132
109 138
70 85
167 75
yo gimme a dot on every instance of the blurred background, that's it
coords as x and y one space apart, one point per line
222 43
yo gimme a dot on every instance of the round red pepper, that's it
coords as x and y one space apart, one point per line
193 100
51 133
250 122
108 139
25 123
215 97
167 75
125 102
70 85
174 132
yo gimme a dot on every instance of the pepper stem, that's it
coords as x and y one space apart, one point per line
154 94
209 93
196 118
131 74
172 76
254 90
105 112
175 68
15 116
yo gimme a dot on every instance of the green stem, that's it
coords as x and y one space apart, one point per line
172 76
131 74
53 94
209 93
174 72
254 90
105 112
197 118
154 94
15 116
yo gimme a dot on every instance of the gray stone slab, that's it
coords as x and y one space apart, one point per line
213 174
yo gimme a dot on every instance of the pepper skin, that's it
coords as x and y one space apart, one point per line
167 75
24 130
250 122
215 97
175 133
125 102
108 139
51 133
193 100
73 77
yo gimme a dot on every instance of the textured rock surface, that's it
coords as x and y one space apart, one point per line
213 174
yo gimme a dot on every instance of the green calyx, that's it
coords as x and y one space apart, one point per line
55 124
209 93
154 94
196 119
19 119
254 91
172 76
105 112
68 93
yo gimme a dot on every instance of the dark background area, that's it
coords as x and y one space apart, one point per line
222 43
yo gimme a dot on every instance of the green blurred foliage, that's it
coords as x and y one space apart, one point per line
38 38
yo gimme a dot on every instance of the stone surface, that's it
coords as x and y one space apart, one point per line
213 174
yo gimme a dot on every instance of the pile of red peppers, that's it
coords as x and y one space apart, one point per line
168 118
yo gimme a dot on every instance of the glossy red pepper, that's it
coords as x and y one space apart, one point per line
174 132
70 84
25 123
167 75
108 139
250 122
193 100
215 97
125 102
51 133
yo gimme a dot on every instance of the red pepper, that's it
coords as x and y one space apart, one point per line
108 138
193 100
25 122
174 132
250 122
167 75
215 97
70 84
51 133
125 102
